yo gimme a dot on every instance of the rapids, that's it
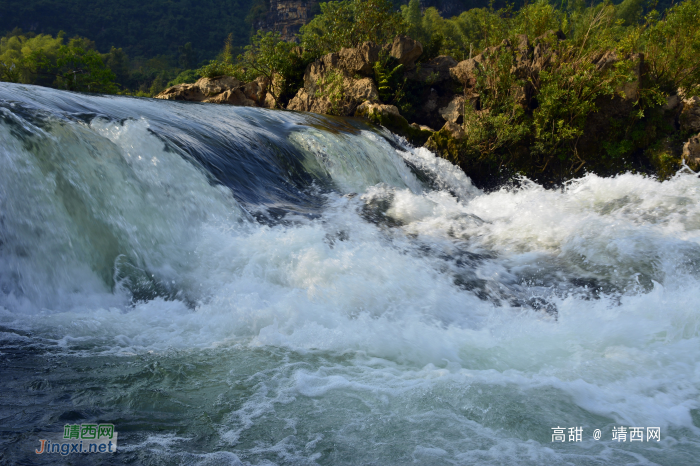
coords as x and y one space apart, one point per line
244 286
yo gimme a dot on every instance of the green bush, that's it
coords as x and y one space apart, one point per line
349 23
672 48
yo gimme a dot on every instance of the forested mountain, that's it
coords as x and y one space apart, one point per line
142 28
151 28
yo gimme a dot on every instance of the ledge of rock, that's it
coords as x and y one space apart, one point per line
691 153
690 115
406 51
220 90
334 84
389 117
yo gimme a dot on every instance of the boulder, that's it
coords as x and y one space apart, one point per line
232 97
672 103
455 130
523 54
359 60
691 153
333 83
220 90
422 127
454 111
187 92
466 71
690 115
217 85
406 50
257 90
361 90
389 117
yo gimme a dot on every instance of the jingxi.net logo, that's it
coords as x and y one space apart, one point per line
80 438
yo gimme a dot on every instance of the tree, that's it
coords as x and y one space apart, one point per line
82 70
188 56
273 58
349 23
672 48
118 62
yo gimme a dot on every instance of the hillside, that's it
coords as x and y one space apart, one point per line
142 29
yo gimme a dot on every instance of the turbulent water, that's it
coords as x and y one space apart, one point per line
253 287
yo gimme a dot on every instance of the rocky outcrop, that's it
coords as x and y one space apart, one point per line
406 51
389 117
338 83
691 153
466 71
690 115
454 111
220 90
287 17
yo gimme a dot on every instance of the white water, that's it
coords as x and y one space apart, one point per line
375 343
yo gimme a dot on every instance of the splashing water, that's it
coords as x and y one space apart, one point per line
244 286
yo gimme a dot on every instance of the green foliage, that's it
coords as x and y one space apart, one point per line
501 123
567 95
331 87
278 61
388 74
537 18
45 60
20 55
185 77
117 61
143 29
672 48
188 56
77 69
630 12
349 23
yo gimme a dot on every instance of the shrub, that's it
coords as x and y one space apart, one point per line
349 23
672 48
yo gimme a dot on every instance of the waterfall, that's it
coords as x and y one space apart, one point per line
249 286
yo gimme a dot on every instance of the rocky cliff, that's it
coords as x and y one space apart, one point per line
288 16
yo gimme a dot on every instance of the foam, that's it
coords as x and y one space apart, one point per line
379 301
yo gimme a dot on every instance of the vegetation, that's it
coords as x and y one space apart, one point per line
143 29
75 66
349 23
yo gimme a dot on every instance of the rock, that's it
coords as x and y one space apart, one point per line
606 61
359 60
406 50
672 103
466 71
630 90
368 109
187 92
300 102
690 115
389 117
257 90
454 111
220 90
361 90
691 153
433 71
455 130
422 127
217 85
232 97
523 53
331 84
